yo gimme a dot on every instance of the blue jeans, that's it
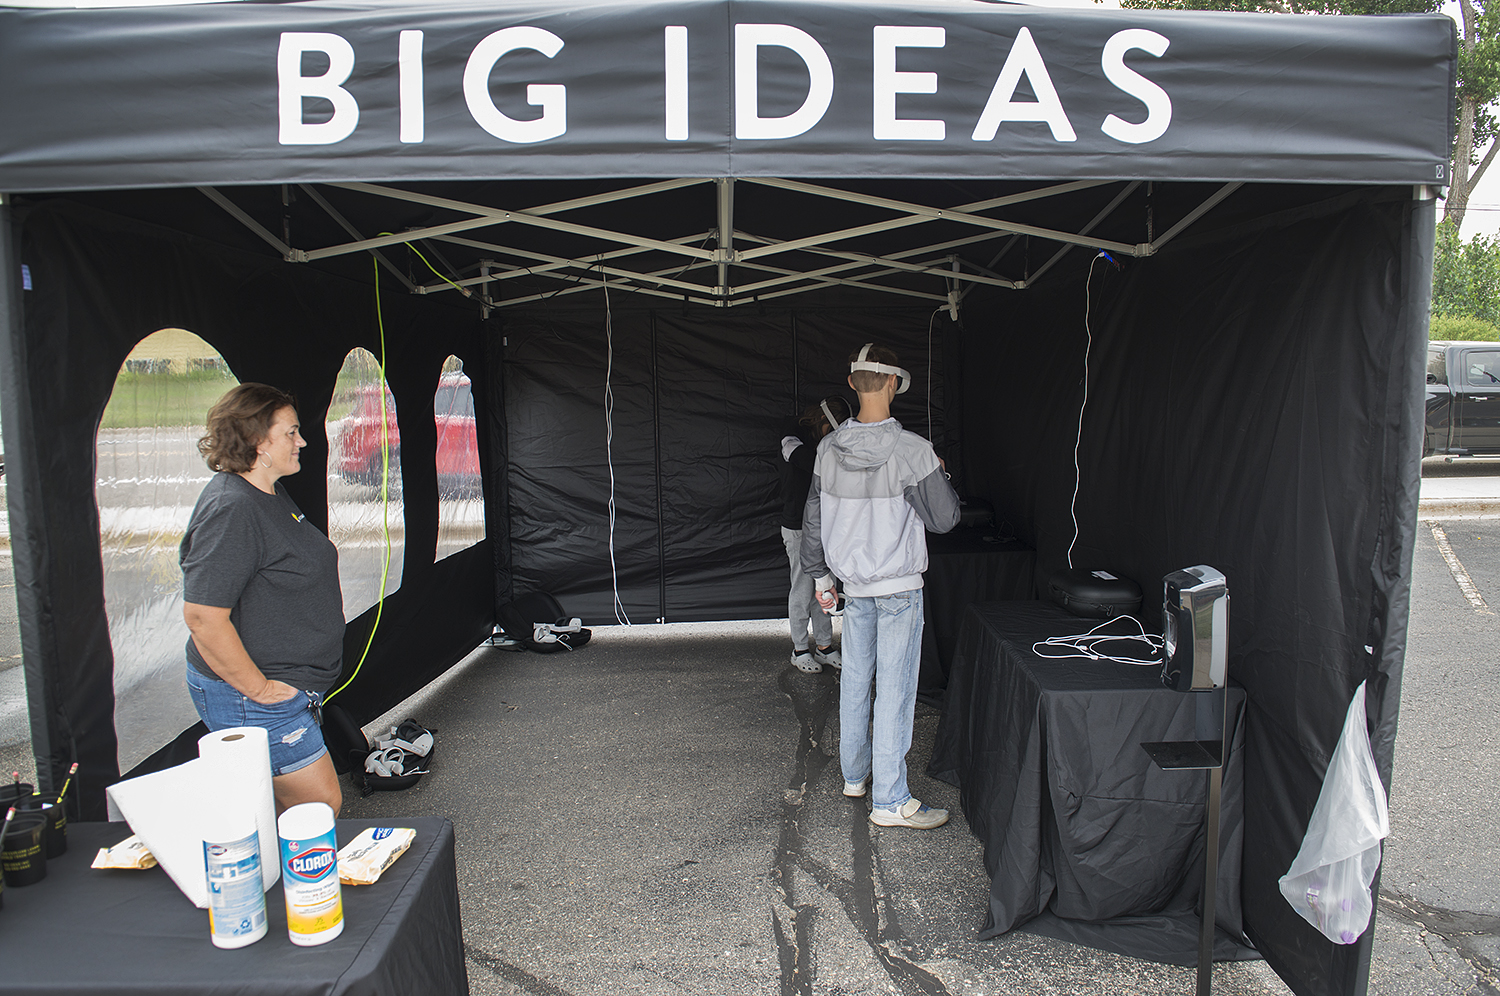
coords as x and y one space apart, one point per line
801 605
296 740
883 642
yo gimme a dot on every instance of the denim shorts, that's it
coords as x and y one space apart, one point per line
296 740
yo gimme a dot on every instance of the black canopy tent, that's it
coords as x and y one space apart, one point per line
703 206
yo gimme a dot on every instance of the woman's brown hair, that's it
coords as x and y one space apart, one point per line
814 417
238 423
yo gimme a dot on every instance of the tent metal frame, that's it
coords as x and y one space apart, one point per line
734 251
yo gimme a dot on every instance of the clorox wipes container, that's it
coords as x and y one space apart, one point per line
310 874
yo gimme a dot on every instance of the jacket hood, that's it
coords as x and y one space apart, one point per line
862 446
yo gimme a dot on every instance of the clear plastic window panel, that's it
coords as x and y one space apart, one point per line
149 478
460 496
366 517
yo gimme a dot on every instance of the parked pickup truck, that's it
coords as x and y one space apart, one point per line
1463 399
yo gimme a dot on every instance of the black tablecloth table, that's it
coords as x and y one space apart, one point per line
963 566
1084 837
82 930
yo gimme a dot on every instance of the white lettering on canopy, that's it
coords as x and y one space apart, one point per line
888 82
1158 104
748 39
413 111
1024 58
552 98
293 87
676 40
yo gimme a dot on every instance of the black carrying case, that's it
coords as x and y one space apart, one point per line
1094 594
518 617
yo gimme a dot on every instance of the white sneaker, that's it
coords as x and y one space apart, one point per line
830 657
806 661
911 813
856 790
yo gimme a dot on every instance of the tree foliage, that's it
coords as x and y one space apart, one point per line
1478 87
1466 275
1462 327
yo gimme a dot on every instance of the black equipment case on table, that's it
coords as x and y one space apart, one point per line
1094 594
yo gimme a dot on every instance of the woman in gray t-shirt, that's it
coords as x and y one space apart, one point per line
261 594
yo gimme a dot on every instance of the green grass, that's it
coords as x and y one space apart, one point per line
144 399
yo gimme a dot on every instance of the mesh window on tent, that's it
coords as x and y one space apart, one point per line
460 495
366 517
149 475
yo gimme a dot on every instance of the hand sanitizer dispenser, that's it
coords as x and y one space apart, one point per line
1195 624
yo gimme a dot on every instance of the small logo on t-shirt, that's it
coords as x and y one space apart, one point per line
298 516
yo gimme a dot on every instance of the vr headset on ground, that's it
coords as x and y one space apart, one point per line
536 621
399 759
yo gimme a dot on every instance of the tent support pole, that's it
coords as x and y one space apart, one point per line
1195 214
552 263
857 259
921 213
48 744
1108 210
726 233
233 210
345 224
538 217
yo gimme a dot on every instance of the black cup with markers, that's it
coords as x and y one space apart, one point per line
23 856
57 822
11 794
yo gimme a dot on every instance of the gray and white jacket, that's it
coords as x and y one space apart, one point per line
875 487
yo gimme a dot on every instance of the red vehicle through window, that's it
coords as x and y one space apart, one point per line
357 443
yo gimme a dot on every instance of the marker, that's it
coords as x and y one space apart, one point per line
68 781
9 815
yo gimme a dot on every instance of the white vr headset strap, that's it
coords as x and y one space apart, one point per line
547 632
828 413
882 368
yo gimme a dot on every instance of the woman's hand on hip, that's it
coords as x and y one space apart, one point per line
272 692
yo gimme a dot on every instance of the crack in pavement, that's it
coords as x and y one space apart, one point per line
866 907
510 973
794 945
1457 928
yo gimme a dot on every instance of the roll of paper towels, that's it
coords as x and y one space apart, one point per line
239 760
169 809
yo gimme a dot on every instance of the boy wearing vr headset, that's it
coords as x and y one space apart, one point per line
874 487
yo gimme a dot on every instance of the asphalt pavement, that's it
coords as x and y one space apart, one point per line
660 813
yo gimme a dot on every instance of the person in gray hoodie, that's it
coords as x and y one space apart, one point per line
875 487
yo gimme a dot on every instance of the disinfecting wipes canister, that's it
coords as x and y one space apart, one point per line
310 873
236 894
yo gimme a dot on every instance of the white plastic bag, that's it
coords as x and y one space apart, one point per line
1329 881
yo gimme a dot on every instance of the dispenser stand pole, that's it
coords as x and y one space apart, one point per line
1210 885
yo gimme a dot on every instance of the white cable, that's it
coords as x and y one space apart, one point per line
931 318
1078 439
609 447
1087 644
